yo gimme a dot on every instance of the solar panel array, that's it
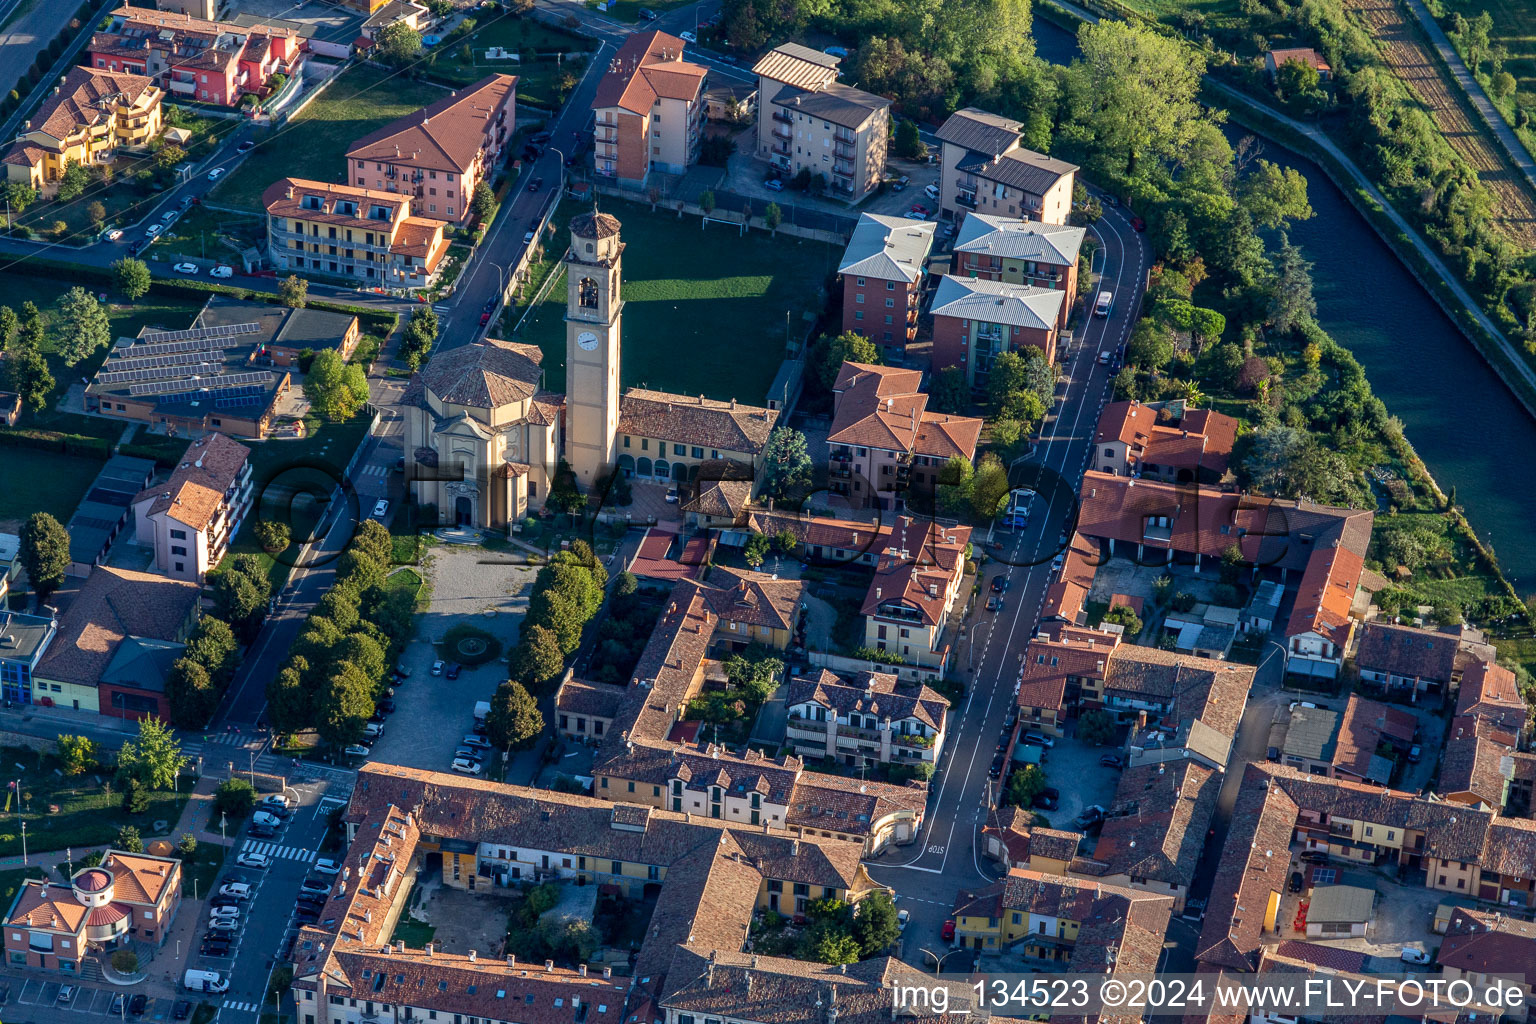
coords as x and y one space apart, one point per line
176 373
179 387
175 359
251 394
200 333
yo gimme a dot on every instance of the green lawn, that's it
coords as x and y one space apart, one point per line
87 815
362 99
53 483
713 294
198 872
539 73
1514 28
202 232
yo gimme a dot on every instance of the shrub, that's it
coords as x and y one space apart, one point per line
234 798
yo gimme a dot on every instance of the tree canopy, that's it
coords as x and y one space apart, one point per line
334 388
44 552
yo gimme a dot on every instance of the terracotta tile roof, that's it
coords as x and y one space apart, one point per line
881 407
25 154
1510 847
1474 761
1202 439
86 97
582 698
1428 654
1325 596
1109 917
704 422
1066 601
1193 689
846 535
416 236
113 604
1304 54
1363 727
1048 663
648 66
876 693
1158 821
723 499
141 879
446 135
1014 829
920 565
197 486
1489 942
796 65
285 198
980 131
754 598
1331 957
835 803
1488 686
486 375
48 907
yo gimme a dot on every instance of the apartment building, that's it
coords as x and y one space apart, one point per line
437 155
1011 838
809 121
663 436
976 320
885 443
1079 926
1482 764
649 110
1018 251
1409 660
193 58
88 118
883 270
1167 441
189 519
371 237
871 718
919 578
986 170
129 898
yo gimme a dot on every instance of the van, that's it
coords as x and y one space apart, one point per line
205 981
1102 304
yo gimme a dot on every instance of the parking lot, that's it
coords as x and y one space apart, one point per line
88 1000
1073 767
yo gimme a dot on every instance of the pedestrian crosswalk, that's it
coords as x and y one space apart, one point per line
274 850
238 1007
373 469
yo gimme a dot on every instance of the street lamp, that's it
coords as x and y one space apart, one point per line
938 961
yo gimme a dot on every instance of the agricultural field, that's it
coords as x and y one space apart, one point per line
731 323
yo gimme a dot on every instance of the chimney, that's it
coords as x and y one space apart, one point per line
582 970
607 972
794 848
511 960
549 966
472 955
288 192
430 949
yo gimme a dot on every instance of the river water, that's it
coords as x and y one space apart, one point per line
1458 415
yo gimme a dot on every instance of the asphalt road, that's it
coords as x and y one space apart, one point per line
961 799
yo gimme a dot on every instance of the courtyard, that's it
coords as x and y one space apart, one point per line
727 300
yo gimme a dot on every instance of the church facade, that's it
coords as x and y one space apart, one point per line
483 440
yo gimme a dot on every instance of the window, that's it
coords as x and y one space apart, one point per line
698 453
178 534
890 286
679 449
859 281
177 549
859 298
858 314
626 440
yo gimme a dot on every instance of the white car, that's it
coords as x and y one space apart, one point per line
267 818
437 668
528 238
213 175
931 191
914 215
253 860
153 230
902 916
356 750
222 271
277 800
114 234
223 924
223 912
239 890
688 37
380 508
476 742
465 767
185 268
326 866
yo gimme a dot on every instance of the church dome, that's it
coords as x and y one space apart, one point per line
594 225
484 375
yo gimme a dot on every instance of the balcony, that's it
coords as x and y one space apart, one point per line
606 133
781 132
841 455
782 118
844 150
966 199
780 149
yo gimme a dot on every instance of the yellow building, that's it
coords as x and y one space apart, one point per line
366 236
90 116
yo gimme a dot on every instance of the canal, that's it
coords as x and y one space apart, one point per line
1458 415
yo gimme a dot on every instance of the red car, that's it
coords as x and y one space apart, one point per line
920 208
485 318
1138 224
947 933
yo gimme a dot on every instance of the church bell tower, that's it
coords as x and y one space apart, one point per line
592 311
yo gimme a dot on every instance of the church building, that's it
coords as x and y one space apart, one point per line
483 440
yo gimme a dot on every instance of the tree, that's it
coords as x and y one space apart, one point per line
10 323
514 722
128 840
78 753
240 601
27 374
344 705
398 44
72 184
537 659
293 291
135 797
832 353
1134 93
335 389
85 327
169 156
289 704
836 947
213 646
1295 78
949 392
1096 727
272 536
1274 195
909 142
483 202
153 758
755 677
756 550
1122 615
989 488
125 961
875 925
707 202
190 693
1024 785
773 217
187 847
18 196
786 464
1013 387
44 553
97 213
33 333
1502 84
955 481
1150 347
1287 462
1290 288
132 278
234 799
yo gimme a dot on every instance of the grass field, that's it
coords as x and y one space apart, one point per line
704 310
199 871
201 232
1514 28
41 481
88 814
538 79
312 145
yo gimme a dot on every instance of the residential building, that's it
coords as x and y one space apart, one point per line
1363 743
438 154
1179 707
585 710
721 493
370 237
1412 661
1013 840
809 121
24 639
648 113
986 170
193 58
1304 55
1486 947
883 270
919 578
1325 546
190 519
115 643
10 408
1206 630
104 511
89 117
225 373
756 608
871 718
1482 764
1166 441
975 321
664 437
885 443
1021 251
405 12
651 754
1059 668
482 440
129 898
208 10
1155 830
1085 927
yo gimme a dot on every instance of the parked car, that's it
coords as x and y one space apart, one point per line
181 1010
1090 815
1111 761
215 174
902 918
996 770
186 268
327 866
402 671
1138 224
994 604
1415 754
276 800
262 832
245 147
437 668
260 861
528 238
646 14
932 192
236 890
774 185
671 496
116 1008
315 886
222 271
385 705
535 184
1413 956
1039 739
476 742
1047 800
1297 882
539 138
485 318
1314 856
453 670
137 247
355 750
380 508
223 901
114 234
223 924
466 767
947 933
914 215
137 1004
688 37
266 818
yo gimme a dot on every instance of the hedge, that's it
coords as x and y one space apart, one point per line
64 444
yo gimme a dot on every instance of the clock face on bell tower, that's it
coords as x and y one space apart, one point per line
592 316
587 340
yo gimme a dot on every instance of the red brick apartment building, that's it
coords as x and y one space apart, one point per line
129 897
883 273
975 321
1026 252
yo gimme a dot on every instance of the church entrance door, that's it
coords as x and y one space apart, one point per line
464 511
